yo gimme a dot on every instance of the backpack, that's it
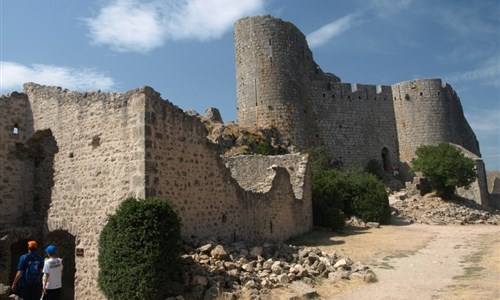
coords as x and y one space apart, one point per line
32 271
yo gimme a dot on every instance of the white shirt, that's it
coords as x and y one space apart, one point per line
53 267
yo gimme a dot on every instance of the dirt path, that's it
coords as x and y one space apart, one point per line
417 262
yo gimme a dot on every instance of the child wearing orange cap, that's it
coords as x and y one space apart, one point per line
27 282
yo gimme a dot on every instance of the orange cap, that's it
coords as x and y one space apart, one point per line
32 244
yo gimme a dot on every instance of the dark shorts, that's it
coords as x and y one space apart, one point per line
31 292
54 294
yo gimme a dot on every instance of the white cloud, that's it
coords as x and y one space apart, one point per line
128 26
141 26
330 30
385 8
14 75
485 122
487 72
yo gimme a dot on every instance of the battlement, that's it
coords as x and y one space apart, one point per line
421 88
348 91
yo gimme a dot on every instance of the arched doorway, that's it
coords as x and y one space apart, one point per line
65 243
386 159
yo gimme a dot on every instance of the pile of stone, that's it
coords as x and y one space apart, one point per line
229 271
431 209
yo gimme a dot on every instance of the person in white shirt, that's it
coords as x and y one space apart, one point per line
52 275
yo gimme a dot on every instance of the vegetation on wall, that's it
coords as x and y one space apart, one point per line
445 167
139 248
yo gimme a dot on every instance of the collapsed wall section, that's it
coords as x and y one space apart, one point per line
16 184
99 163
282 184
478 190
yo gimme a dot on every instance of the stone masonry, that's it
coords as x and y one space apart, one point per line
279 85
69 159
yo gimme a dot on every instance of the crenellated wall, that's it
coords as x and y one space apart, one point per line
355 122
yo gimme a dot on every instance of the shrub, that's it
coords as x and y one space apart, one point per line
371 202
263 148
139 250
445 167
319 158
365 196
375 167
326 200
329 216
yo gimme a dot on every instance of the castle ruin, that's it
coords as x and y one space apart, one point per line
279 85
68 159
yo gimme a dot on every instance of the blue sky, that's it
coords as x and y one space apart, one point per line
184 48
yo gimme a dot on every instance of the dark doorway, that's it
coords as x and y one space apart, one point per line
386 159
42 148
65 243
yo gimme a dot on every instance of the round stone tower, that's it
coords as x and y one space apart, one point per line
429 112
274 68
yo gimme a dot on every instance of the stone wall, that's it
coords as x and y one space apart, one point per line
428 112
184 167
99 162
274 67
356 122
16 127
87 152
282 184
280 85
478 190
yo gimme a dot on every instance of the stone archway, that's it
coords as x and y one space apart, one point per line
65 243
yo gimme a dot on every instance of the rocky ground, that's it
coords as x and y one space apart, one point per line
216 270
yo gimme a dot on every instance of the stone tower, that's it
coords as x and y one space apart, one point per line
428 112
273 69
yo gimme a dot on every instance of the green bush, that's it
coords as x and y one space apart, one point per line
139 250
320 159
445 167
263 148
350 191
375 167
370 202
329 217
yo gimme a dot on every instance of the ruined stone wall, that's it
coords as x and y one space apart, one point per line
185 168
428 112
273 69
282 185
16 169
356 122
99 162
478 190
